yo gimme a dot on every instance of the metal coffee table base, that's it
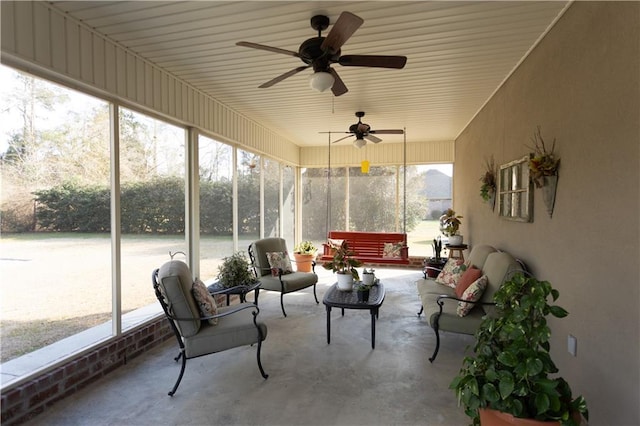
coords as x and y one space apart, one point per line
335 298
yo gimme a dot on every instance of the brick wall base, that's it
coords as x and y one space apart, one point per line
29 399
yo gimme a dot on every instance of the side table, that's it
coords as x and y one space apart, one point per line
459 249
241 290
335 298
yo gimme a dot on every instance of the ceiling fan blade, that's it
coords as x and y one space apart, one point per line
373 138
341 139
345 26
267 48
388 132
338 87
283 76
380 61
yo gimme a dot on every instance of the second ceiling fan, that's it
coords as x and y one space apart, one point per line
362 132
320 52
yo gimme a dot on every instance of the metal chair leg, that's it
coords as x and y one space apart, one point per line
421 310
314 294
282 303
260 338
435 352
184 363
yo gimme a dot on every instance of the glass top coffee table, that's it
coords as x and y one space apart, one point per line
335 298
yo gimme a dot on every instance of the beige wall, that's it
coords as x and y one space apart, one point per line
581 84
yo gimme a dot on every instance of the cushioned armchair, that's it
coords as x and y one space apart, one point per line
199 335
276 277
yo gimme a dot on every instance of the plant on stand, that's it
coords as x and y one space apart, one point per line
235 270
450 226
344 264
304 254
508 376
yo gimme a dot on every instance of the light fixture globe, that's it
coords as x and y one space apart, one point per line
359 143
321 81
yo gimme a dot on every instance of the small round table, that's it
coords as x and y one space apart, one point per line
459 249
241 290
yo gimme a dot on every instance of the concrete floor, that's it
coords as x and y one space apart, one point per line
310 382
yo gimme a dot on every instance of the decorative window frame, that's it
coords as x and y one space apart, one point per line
515 192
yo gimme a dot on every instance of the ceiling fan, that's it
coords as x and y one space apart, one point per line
320 52
362 132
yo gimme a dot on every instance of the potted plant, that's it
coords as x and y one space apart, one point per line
344 264
368 276
509 372
433 265
363 290
450 226
235 270
489 182
304 254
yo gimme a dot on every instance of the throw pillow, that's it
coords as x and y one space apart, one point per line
468 277
392 250
472 294
335 243
451 273
279 260
205 301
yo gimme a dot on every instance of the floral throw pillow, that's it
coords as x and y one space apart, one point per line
205 301
279 260
473 293
392 250
451 273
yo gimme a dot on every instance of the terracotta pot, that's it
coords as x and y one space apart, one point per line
489 417
303 262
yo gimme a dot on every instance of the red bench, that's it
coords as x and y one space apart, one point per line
380 248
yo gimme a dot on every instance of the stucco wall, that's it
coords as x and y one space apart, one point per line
581 84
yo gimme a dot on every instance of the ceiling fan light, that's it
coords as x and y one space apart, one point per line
359 143
321 81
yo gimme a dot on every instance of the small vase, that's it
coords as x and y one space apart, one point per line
455 240
345 282
368 279
363 295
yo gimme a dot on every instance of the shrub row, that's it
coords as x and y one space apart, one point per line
155 206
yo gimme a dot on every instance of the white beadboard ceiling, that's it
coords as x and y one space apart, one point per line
458 54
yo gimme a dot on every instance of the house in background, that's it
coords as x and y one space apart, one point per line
581 85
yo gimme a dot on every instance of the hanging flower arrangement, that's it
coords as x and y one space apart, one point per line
488 179
543 163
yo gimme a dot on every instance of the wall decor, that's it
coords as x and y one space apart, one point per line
489 182
544 169
514 191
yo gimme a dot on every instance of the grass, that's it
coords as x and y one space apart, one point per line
58 284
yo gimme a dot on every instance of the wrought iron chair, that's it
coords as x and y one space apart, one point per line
237 325
284 283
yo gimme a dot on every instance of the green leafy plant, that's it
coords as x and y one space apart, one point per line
235 270
305 247
450 223
343 261
511 365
